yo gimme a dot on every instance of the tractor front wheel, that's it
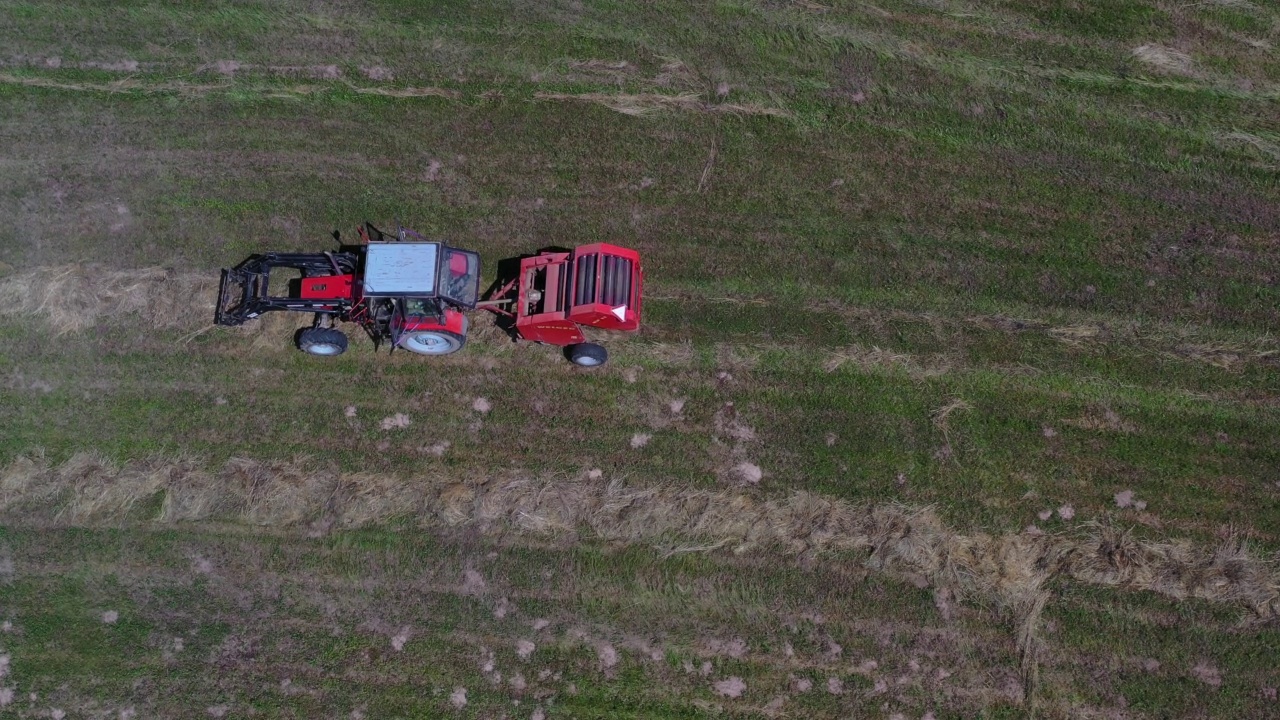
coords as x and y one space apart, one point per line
587 355
322 341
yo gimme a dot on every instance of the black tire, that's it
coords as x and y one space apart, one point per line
587 355
325 342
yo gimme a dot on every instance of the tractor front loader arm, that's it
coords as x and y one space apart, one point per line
236 298
245 294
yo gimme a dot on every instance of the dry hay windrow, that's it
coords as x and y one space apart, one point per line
77 297
1165 59
875 359
407 92
129 84
1012 571
647 103
635 104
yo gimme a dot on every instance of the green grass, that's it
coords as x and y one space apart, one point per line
231 615
1091 624
995 202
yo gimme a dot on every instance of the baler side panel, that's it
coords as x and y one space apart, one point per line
550 331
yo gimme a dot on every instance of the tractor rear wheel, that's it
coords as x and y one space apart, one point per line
588 355
432 342
322 341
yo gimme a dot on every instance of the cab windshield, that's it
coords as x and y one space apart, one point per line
460 277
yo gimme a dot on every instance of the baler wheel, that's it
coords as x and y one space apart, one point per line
322 341
588 355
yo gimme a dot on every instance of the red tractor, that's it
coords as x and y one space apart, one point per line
413 293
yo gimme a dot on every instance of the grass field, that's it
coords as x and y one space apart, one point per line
958 392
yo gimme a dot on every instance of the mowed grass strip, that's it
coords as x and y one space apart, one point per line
395 621
863 427
387 623
867 428
900 213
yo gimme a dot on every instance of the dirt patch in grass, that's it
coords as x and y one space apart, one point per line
1103 419
378 73
732 687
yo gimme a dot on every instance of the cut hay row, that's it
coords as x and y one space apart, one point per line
875 359
76 297
648 103
635 104
407 92
1012 570
1165 59
1267 147
126 84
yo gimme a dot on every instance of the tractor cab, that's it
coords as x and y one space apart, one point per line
403 288
421 271
461 281
422 287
